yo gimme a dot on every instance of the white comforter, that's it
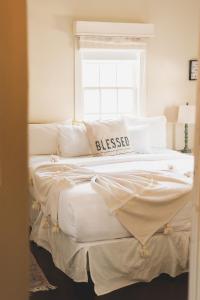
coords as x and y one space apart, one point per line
93 220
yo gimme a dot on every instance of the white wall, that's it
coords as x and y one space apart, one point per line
51 55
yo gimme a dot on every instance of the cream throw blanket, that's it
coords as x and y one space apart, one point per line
143 201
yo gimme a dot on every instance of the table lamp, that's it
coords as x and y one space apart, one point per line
186 115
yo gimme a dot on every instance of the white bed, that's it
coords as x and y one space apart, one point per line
91 238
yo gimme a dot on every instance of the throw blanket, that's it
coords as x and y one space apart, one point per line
143 201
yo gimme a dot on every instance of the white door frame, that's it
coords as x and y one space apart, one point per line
194 278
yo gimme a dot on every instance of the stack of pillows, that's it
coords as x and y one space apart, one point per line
107 137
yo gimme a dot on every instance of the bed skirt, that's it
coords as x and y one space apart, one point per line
114 264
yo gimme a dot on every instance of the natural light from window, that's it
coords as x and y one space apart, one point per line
111 82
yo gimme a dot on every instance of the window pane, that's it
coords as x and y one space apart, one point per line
108 101
109 116
90 74
107 74
126 74
92 117
111 83
91 101
126 100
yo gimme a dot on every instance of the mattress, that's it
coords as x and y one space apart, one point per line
83 214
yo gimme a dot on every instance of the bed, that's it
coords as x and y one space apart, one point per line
90 237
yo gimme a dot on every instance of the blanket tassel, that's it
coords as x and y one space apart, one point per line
55 228
36 205
144 252
168 229
46 223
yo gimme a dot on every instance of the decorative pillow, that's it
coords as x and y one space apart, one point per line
140 138
43 138
108 137
157 128
73 141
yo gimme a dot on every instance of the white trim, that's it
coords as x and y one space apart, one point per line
142 98
78 107
138 30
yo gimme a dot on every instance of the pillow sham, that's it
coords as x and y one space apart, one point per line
157 128
140 139
73 141
43 138
108 137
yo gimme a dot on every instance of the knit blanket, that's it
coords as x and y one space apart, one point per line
143 201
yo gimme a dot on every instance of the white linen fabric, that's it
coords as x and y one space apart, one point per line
167 253
43 138
111 42
108 137
140 138
73 141
81 201
157 128
129 195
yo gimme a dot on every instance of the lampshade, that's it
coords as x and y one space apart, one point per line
186 114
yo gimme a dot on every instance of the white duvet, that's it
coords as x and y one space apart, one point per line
82 212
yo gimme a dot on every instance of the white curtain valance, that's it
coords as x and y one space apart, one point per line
110 42
112 35
138 30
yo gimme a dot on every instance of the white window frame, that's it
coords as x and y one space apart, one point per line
78 91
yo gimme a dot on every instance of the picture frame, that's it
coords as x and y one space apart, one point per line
193 69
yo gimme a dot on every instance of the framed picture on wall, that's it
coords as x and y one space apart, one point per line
193 69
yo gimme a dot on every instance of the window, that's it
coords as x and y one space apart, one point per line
111 82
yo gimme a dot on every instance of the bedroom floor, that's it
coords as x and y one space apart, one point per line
161 288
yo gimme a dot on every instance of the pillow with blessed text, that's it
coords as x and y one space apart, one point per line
108 137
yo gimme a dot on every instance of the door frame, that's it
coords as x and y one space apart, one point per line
194 275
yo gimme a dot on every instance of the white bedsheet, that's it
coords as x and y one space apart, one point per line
83 214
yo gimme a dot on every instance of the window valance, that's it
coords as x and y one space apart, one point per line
112 35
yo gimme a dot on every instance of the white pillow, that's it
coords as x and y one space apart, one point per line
73 141
108 137
43 138
157 128
140 138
